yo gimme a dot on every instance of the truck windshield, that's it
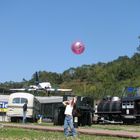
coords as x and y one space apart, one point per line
131 92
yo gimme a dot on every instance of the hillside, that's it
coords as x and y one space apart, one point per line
96 80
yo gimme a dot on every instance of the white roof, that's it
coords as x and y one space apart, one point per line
21 94
45 85
41 99
50 99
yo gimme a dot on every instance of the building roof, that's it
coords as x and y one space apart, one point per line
50 99
41 99
4 98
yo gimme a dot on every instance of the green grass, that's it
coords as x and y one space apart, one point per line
130 128
26 134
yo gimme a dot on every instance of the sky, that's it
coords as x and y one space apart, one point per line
36 35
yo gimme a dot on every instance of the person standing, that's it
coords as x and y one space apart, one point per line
68 121
24 111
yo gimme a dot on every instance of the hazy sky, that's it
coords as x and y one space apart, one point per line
37 34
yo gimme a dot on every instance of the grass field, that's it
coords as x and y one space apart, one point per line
26 134
129 128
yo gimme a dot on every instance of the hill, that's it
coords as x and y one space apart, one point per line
96 80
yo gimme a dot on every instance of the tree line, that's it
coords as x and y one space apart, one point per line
96 80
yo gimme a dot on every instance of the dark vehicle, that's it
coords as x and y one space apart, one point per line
109 110
131 105
120 110
83 111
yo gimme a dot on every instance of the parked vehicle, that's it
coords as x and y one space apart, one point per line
109 110
131 105
15 106
120 110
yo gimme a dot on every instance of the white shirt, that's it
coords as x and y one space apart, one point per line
68 110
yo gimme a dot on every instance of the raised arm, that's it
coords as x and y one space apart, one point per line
66 103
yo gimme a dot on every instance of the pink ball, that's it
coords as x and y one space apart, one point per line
78 47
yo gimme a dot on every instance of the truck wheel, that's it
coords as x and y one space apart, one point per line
89 118
55 121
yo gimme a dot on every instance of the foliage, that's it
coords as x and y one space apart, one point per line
96 80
